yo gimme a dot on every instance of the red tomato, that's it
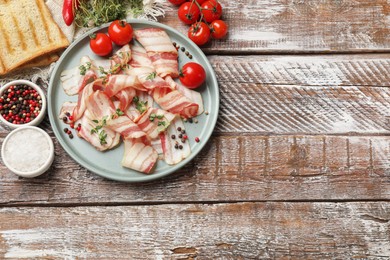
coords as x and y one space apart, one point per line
200 2
100 44
199 33
192 75
218 29
177 2
211 10
120 32
188 13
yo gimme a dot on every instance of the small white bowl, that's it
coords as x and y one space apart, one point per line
42 113
28 151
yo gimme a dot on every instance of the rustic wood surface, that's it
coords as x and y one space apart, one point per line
298 166
224 231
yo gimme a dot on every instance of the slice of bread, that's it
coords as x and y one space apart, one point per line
43 60
27 31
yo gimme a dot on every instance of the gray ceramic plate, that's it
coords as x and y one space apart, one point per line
108 164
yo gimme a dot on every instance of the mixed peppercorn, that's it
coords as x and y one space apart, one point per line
20 104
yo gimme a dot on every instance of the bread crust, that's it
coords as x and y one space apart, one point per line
27 31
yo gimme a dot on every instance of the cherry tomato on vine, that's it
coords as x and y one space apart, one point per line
188 13
199 33
100 44
192 75
200 2
218 29
177 2
120 32
211 10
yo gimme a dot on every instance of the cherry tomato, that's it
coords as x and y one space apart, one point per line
100 44
199 33
188 13
192 75
120 32
177 2
200 2
218 29
211 10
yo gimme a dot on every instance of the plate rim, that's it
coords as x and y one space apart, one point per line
145 177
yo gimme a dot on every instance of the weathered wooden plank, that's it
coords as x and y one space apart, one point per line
221 231
300 26
231 168
304 94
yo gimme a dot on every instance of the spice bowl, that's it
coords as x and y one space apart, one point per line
22 103
27 151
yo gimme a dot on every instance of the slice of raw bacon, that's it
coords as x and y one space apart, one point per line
139 57
160 49
192 95
74 80
116 83
175 102
125 97
155 40
102 108
154 121
112 139
120 58
139 156
79 109
173 155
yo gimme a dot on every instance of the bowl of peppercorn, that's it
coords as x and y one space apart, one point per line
22 103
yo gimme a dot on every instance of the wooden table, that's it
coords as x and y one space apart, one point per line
297 168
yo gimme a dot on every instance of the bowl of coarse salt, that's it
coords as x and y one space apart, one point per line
27 151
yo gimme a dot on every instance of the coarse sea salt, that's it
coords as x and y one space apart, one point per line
27 150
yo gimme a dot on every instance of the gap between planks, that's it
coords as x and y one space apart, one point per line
156 203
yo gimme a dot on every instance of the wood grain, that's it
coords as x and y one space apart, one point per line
263 26
221 231
230 168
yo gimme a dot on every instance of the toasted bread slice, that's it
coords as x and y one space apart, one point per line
43 60
27 31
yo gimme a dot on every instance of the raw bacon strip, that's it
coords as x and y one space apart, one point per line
171 154
138 156
149 121
125 127
101 106
192 95
132 111
67 107
72 80
175 102
125 97
116 83
87 125
166 64
139 57
155 40
161 51
78 111
120 58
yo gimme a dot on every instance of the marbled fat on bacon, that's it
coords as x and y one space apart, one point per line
155 40
120 58
160 50
140 57
72 80
149 121
166 64
138 156
192 95
171 154
87 125
116 83
175 102
125 97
